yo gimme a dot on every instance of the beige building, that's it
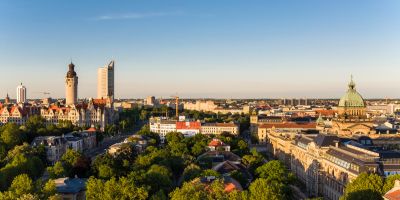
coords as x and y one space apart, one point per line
293 127
205 106
16 114
105 81
218 128
71 86
96 112
210 106
325 163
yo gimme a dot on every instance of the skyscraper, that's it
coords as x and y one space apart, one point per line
71 86
21 94
105 81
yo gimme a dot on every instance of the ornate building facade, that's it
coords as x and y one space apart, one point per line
351 115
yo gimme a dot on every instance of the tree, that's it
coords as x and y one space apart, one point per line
192 171
253 161
210 172
364 187
174 137
49 189
389 182
114 189
263 189
21 185
274 170
12 135
71 163
56 171
162 175
198 191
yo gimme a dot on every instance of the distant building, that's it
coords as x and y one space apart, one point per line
217 144
150 101
7 100
105 81
205 106
10 113
96 112
351 117
188 129
55 146
21 94
218 128
162 127
265 129
71 86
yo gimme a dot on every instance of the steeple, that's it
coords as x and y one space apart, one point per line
7 99
71 71
352 85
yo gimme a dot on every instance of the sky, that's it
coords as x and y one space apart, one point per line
203 48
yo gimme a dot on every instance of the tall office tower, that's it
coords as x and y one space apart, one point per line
21 94
105 81
71 86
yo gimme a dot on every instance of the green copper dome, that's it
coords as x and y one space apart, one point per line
352 98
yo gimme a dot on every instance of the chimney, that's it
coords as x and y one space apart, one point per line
336 143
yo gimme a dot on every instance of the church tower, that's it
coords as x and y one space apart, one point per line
71 86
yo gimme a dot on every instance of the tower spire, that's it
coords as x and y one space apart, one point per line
352 85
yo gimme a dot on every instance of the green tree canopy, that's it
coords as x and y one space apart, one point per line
121 189
12 135
273 170
364 187
263 189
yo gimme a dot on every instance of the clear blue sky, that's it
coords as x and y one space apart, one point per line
203 48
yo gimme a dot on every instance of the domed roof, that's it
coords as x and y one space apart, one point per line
352 98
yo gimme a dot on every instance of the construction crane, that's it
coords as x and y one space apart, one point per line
44 93
176 105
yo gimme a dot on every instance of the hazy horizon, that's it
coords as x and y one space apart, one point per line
203 49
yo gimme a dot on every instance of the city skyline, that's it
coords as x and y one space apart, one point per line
212 49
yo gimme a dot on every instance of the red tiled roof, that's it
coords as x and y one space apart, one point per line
395 195
290 125
188 125
229 187
326 112
91 129
216 143
100 101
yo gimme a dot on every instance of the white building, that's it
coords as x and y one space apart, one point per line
105 81
162 127
21 94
